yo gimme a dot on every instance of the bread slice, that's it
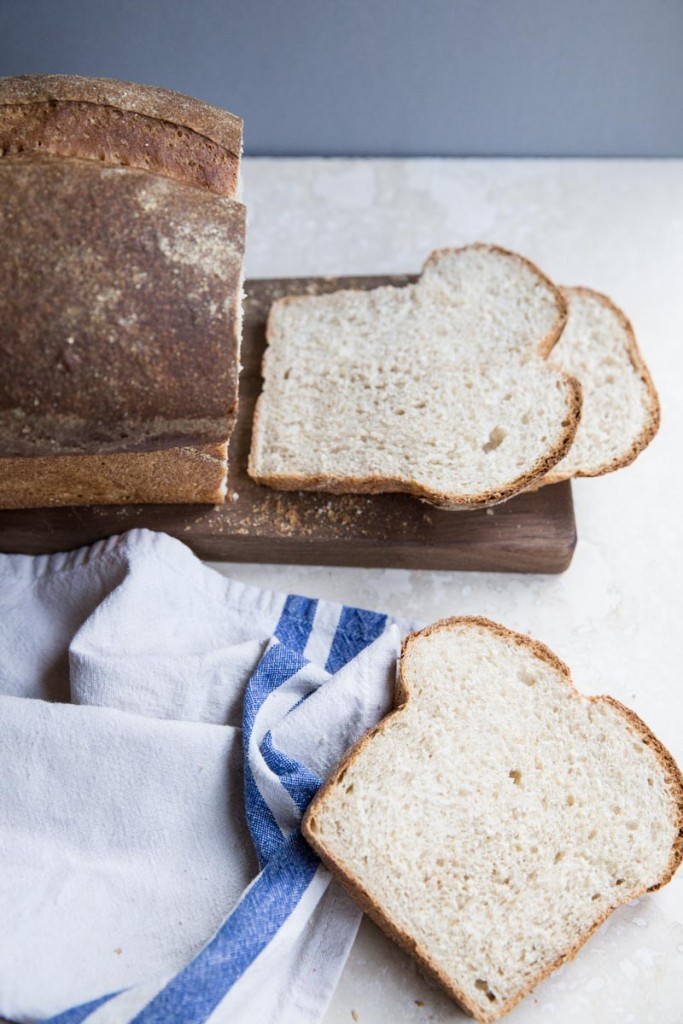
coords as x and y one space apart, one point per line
620 413
120 292
439 389
494 820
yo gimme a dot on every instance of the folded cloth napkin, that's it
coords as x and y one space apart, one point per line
163 729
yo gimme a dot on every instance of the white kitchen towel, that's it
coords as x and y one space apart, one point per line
163 729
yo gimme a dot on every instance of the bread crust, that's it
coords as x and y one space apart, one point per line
196 475
120 301
121 124
452 502
653 421
116 199
374 910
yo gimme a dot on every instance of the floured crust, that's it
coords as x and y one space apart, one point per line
173 475
119 310
121 124
374 910
450 501
652 423
118 199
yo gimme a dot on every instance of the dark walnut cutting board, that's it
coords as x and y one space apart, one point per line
531 533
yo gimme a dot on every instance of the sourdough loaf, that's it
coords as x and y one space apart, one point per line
120 289
497 817
440 389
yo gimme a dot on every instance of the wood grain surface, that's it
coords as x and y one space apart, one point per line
534 532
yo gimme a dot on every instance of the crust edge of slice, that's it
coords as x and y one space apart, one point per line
365 901
652 424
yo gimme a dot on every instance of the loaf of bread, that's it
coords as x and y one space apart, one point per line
497 817
120 292
440 389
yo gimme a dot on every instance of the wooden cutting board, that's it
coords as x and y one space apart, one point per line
531 533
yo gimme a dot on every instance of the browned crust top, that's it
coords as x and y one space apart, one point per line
120 124
364 899
151 101
653 421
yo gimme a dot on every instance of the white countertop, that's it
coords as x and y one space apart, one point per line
615 615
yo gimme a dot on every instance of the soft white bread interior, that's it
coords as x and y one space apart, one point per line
620 413
440 389
496 818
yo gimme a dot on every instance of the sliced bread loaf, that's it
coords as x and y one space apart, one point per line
620 412
440 389
120 292
493 821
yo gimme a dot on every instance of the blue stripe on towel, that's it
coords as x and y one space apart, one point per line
79 1013
300 782
356 630
277 666
296 622
197 990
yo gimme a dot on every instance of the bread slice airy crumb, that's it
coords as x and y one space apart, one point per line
440 389
620 413
497 817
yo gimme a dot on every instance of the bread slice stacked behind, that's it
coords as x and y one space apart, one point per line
620 413
120 292
495 819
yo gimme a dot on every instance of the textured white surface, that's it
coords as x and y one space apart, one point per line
614 616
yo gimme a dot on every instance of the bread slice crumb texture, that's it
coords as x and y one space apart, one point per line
620 413
498 816
439 389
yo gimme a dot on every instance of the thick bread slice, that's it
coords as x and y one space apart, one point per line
439 389
620 413
492 822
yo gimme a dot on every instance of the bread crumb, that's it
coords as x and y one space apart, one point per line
354 1014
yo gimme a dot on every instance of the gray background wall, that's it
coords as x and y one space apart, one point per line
387 77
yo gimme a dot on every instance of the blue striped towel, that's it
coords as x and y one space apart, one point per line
324 677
